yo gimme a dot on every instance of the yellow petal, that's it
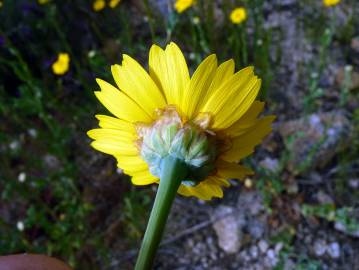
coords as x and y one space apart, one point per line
115 147
229 170
169 70
115 134
223 73
119 104
244 144
198 86
205 190
115 123
231 94
113 141
133 80
131 164
215 179
239 104
247 121
143 178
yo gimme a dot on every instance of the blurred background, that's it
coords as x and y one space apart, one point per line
62 198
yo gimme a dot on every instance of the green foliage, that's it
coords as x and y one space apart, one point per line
342 215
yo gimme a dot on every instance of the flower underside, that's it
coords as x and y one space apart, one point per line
189 141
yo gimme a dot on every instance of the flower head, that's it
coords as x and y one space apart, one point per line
113 3
182 5
43 2
98 5
238 15
330 3
62 64
208 120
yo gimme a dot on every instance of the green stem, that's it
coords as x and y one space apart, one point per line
173 172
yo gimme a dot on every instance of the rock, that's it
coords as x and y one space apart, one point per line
319 247
315 139
271 258
342 228
228 230
333 250
263 246
324 198
256 228
253 251
352 78
250 202
354 183
278 247
270 164
51 162
355 44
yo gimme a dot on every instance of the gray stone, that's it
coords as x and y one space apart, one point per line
256 228
317 138
341 227
333 250
263 246
319 247
253 251
228 231
270 164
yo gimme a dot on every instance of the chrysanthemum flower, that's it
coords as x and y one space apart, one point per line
43 2
182 5
62 64
330 3
208 120
113 3
98 5
238 15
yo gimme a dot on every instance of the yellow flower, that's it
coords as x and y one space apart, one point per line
208 120
113 3
43 2
62 64
98 5
238 15
1 3
329 3
182 5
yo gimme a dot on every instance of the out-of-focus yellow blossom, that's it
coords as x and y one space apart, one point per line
182 5
330 3
62 64
43 2
238 15
113 3
196 20
98 5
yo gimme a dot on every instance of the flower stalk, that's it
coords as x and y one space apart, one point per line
173 171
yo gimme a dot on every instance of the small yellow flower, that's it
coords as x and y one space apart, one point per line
43 2
182 5
1 3
62 64
208 120
238 15
330 3
113 3
98 5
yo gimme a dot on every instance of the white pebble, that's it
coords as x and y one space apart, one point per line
263 246
20 226
22 177
333 250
